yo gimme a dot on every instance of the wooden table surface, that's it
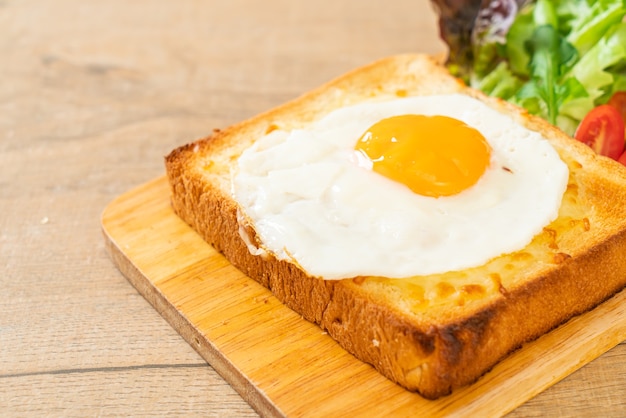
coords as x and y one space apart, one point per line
92 96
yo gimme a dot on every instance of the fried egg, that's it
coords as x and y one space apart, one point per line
400 188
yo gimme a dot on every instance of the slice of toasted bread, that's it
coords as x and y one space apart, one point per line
429 334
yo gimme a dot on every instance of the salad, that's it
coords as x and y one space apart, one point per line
563 60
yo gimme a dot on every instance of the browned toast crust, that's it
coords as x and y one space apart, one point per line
443 331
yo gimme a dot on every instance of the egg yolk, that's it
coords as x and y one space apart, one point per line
432 155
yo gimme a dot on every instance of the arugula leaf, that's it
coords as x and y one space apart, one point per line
551 55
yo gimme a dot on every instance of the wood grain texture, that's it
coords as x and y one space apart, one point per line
93 95
286 366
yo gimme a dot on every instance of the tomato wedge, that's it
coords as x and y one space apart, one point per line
603 130
618 101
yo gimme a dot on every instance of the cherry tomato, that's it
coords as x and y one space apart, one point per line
622 158
618 101
603 130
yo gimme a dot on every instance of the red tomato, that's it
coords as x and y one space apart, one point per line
622 158
603 130
618 101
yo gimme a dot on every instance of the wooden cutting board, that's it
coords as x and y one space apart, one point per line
285 366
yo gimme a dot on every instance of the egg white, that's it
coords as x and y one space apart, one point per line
312 200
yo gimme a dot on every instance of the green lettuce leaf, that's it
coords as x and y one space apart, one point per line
515 48
593 71
500 82
592 20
